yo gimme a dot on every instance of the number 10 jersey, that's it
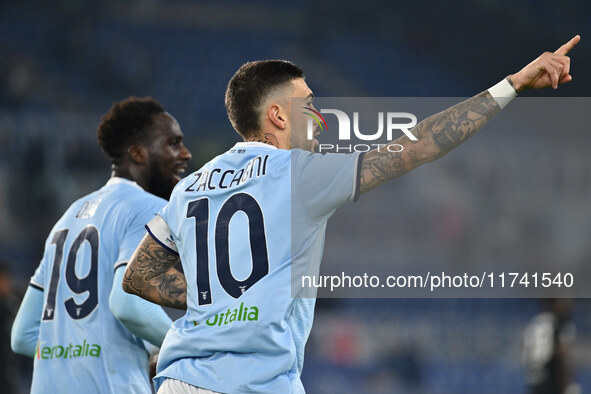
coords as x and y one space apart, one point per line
246 225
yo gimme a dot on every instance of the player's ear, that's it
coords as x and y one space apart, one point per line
138 154
276 115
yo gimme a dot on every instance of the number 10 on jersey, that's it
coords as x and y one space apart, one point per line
199 209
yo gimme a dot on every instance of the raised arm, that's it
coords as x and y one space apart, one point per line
151 275
442 132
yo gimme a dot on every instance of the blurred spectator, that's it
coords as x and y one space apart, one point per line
18 79
548 339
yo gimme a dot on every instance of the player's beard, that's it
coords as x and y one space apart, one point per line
160 184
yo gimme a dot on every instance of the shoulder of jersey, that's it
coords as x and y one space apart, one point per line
133 198
80 201
297 155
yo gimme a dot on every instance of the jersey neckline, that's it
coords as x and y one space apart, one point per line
116 180
254 144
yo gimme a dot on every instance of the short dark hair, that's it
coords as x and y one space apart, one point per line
250 85
127 123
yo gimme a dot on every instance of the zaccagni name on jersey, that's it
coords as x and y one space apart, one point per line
223 179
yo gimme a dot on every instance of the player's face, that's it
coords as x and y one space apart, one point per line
299 120
168 156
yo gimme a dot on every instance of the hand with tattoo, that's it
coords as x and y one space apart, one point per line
442 132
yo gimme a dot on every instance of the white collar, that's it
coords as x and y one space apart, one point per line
254 144
116 180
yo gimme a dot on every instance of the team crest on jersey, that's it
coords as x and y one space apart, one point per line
170 241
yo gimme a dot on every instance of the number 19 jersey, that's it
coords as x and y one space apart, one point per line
82 347
242 224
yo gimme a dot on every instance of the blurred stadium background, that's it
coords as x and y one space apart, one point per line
63 63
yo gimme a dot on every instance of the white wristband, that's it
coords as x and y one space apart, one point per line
160 232
503 93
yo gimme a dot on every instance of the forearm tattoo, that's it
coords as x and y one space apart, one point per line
152 276
437 135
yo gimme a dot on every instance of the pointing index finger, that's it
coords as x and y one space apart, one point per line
566 48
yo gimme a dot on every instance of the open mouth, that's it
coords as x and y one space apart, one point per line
179 172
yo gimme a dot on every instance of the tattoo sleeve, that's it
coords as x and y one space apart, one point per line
437 135
151 275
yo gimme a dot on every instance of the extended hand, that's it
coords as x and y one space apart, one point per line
550 69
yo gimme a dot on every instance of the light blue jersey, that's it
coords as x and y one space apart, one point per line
82 347
231 222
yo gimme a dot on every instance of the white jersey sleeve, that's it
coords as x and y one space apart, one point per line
134 233
324 182
38 277
159 230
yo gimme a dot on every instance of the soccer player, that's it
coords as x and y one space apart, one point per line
241 223
71 316
548 341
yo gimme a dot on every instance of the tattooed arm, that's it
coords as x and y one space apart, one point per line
442 132
437 135
151 275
